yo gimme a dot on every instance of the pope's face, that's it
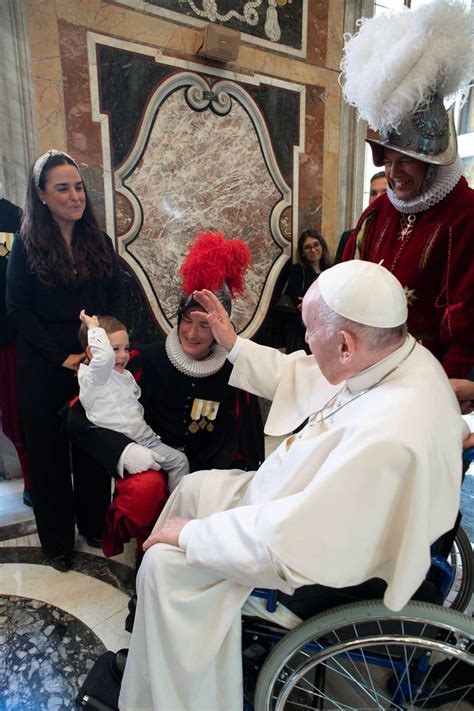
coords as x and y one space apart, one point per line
323 345
405 175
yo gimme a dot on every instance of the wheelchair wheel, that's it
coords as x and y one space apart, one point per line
364 656
461 559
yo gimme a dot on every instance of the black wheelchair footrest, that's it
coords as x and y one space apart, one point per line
100 690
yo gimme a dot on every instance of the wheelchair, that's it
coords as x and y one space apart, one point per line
461 560
363 656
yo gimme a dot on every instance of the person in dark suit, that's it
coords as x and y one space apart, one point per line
378 186
61 262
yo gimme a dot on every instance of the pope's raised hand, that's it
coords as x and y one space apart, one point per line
217 317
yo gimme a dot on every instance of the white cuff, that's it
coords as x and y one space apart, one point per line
235 350
185 535
121 461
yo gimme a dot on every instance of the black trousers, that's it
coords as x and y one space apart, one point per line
44 389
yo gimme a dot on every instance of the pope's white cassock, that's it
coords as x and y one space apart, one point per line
361 492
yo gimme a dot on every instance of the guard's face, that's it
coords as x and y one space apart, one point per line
195 335
404 174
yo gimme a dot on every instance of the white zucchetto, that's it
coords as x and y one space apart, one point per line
364 292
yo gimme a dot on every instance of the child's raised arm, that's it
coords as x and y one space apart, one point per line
90 321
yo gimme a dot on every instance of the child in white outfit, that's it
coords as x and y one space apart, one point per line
110 396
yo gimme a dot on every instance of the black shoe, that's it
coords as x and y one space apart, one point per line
93 542
117 665
62 563
130 619
138 559
27 500
132 604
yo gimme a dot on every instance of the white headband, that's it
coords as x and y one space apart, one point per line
42 160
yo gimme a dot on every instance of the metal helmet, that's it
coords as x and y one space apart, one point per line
427 134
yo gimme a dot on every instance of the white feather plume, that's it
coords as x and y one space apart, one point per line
395 62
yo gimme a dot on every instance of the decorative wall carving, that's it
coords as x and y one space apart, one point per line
280 25
224 177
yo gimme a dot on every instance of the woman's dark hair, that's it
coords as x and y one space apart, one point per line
325 261
46 250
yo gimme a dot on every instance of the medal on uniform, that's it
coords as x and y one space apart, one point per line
203 412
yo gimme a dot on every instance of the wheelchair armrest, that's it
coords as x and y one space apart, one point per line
271 596
445 571
468 454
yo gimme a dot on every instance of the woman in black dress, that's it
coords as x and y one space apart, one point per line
313 258
61 262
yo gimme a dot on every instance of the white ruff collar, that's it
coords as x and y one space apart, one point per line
447 176
189 366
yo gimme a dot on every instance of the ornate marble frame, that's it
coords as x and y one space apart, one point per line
113 180
190 20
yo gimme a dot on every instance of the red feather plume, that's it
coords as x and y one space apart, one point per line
212 260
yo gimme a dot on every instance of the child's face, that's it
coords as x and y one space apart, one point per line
121 347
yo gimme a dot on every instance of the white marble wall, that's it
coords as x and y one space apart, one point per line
217 181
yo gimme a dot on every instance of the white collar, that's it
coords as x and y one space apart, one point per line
446 178
369 377
190 366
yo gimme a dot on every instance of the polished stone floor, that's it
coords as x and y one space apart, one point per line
54 625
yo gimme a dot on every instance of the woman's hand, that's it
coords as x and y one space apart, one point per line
218 318
90 321
73 361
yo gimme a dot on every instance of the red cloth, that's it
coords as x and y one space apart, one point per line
9 406
435 263
136 506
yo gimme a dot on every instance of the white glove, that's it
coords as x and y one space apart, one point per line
138 459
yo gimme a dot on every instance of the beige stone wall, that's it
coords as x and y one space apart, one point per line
50 22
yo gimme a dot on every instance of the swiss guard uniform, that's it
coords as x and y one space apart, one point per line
434 263
424 239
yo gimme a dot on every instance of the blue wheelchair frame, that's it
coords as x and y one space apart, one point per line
406 685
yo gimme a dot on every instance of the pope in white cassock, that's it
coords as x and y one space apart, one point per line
360 492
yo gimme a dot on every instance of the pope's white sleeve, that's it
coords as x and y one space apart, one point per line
257 368
227 543
235 350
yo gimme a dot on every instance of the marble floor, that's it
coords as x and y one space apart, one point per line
54 625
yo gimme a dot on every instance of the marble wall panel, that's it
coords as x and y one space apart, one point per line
47 73
59 34
82 133
311 163
317 32
217 181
